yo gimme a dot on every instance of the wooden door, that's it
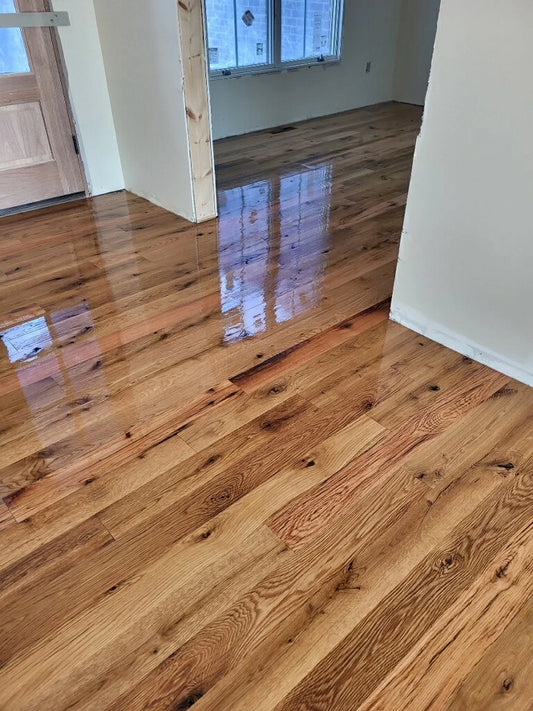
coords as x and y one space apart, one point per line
38 159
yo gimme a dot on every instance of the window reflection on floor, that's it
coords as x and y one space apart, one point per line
271 267
42 351
26 340
244 254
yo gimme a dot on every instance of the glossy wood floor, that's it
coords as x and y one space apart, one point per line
228 481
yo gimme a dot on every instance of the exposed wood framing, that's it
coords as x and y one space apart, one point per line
192 34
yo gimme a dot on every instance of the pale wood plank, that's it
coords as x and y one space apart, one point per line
384 637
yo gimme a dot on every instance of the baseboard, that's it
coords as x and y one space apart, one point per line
417 322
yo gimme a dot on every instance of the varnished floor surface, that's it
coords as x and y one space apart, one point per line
228 481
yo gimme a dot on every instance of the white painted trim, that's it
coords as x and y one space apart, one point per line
277 65
254 69
414 320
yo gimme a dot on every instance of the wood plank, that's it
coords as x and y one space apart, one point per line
384 556
210 483
41 529
441 659
481 544
167 379
327 457
134 442
266 620
314 511
34 680
251 363
6 519
501 678
29 613
266 371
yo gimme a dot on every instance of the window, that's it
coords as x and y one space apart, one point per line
13 57
248 36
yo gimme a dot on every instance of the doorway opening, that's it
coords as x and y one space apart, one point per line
313 155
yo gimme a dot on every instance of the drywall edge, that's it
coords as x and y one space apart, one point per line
140 43
415 321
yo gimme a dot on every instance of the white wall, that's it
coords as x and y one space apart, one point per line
465 274
89 97
418 25
243 104
141 50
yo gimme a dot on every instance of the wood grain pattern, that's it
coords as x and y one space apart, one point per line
5 516
382 638
316 510
382 559
501 678
195 85
228 481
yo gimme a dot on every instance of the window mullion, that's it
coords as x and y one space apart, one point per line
304 53
275 8
336 24
235 32
338 20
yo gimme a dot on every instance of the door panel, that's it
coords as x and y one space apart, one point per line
37 156
25 140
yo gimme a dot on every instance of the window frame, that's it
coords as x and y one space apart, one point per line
274 47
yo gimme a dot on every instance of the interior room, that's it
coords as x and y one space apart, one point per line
265 355
370 53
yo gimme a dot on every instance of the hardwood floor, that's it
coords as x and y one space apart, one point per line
228 481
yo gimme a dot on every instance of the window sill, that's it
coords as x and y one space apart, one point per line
285 68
